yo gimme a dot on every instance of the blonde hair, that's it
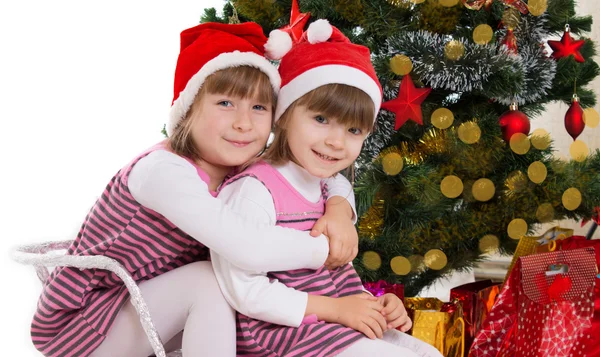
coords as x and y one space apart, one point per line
242 81
348 105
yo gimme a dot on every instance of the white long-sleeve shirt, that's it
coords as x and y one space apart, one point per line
170 185
251 292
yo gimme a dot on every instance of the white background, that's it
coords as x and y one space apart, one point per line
84 86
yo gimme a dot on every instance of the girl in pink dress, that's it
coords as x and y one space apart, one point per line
328 101
158 216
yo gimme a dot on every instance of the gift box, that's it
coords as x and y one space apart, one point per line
476 300
383 287
437 323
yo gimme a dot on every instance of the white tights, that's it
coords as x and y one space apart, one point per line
185 299
393 344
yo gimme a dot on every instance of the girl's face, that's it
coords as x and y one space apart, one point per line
229 130
321 145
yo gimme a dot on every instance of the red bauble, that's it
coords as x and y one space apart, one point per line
574 119
512 122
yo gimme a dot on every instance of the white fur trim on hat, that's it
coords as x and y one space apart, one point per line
319 31
278 44
322 75
225 60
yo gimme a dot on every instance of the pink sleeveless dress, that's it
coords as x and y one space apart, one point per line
259 338
77 307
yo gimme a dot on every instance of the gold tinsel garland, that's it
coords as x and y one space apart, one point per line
433 142
260 11
439 19
404 4
351 10
371 223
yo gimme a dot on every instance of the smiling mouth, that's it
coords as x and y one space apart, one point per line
325 158
239 144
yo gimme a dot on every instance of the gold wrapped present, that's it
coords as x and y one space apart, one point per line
439 324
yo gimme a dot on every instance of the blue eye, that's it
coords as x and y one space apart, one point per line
259 107
225 103
355 131
320 119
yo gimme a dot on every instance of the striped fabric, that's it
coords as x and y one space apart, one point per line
77 307
259 338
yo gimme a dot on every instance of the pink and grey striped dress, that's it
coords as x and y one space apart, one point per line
259 338
77 307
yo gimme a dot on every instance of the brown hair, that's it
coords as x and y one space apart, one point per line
348 105
242 81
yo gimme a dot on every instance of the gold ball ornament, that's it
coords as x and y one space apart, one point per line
517 228
469 132
537 172
537 7
489 243
451 186
579 150
571 198
540 139
454 50
371 260
400 265
591 117
392 163
416 263
401 65
483 189
545 213
448 3
483 34
520 144
442 118
435 259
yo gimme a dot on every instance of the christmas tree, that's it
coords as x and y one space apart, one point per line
452 171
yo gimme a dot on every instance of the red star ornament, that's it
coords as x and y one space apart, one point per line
297 22
407 104
567 46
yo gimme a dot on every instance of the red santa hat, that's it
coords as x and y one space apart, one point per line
322 56
210 47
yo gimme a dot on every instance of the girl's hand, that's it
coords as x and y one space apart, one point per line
362 313
394 312
337 224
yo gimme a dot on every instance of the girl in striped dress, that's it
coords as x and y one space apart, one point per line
158 216
327 104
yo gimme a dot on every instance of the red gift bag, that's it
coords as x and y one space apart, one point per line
476 299
544 312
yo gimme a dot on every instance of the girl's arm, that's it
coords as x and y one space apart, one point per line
169 185
255 295
252 293
341 193
338 222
